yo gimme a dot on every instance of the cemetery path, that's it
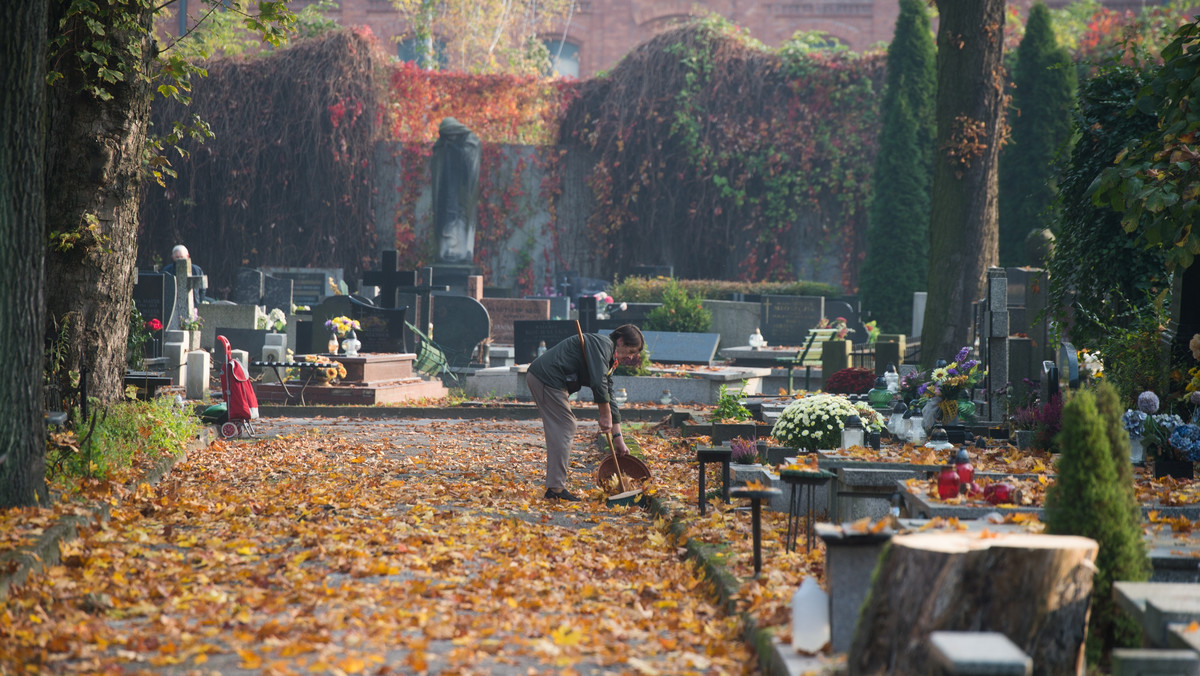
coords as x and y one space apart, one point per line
393 546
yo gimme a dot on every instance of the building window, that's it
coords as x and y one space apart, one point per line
406 50
564 58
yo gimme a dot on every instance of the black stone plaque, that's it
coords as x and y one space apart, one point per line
787 319
310 285
249 288
277 293
382 329
250 340
154 298
671 347
560 306
528 335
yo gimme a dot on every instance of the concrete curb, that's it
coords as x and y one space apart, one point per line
45 552
498 412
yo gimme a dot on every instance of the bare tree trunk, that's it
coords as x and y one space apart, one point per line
963 220
22 252
93 180
1034 589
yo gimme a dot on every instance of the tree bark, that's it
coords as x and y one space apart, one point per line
1034 589
93 180
963 218
22 252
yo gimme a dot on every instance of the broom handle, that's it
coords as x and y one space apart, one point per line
616 461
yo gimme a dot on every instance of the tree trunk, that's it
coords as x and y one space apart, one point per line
963 226
22 252
1034 589
93 179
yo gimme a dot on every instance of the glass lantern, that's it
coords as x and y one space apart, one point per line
948 483
756 340
351 344
880 397
939 440
852 432
666 398
333 343
963 466
896 421
620 396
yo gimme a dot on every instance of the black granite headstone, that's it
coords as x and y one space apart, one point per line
460 323
560 306
390 279
310 285
671 347
154 298
250 340
277 293
382 329
529 335
249 288
787 319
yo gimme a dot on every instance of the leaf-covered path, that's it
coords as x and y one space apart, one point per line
371 547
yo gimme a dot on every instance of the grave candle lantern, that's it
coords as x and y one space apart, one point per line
948 483
852 432
963 467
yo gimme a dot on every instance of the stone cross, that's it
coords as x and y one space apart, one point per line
389 278
424 292
185 302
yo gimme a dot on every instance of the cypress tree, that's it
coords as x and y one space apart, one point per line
1040 119
1090 498
898 216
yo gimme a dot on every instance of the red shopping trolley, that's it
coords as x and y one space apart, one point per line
241 403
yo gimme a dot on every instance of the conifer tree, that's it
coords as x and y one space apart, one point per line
1040 119
898 231
1089 499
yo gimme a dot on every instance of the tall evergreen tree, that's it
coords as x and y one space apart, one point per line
898 233
1090 498
1040 118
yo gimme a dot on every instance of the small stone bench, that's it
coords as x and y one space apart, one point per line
985 653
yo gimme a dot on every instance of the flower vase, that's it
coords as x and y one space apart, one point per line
1137 453
193 340
949 409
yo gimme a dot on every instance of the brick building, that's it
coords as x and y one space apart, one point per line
600 32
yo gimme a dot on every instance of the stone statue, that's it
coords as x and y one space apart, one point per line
455 191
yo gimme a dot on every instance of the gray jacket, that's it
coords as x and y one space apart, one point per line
562 366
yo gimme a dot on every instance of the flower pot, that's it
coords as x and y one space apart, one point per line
1176 469
193 340
1137 453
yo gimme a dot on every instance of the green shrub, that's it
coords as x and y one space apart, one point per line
729 406
1089 499
1132 348
643 290
118 435
679 312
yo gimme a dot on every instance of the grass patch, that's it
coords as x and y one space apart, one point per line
119 437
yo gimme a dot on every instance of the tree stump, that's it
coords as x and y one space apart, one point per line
1034 589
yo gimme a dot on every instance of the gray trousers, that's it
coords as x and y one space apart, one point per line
558 421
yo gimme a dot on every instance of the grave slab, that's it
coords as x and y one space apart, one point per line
670 347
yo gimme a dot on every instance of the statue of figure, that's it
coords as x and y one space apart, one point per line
455 191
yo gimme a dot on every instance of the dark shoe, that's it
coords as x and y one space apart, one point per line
564 494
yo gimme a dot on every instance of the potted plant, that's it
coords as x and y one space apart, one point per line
815 423
730 419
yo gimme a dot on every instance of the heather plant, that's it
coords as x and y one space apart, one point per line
1089 499
853 380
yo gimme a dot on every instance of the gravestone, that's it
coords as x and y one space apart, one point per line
382 328
154 298
997 342
227 316
671 347
185 285
460 324
1185 313
249 287
277 293
560 306
528 335
504 311
310 286
920 300
1037 314
787 319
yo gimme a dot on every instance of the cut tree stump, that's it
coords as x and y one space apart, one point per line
1034 589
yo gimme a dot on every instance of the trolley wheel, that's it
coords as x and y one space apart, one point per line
229 430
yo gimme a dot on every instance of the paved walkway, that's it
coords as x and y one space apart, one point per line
386 546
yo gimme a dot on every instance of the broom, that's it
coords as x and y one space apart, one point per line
626 497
